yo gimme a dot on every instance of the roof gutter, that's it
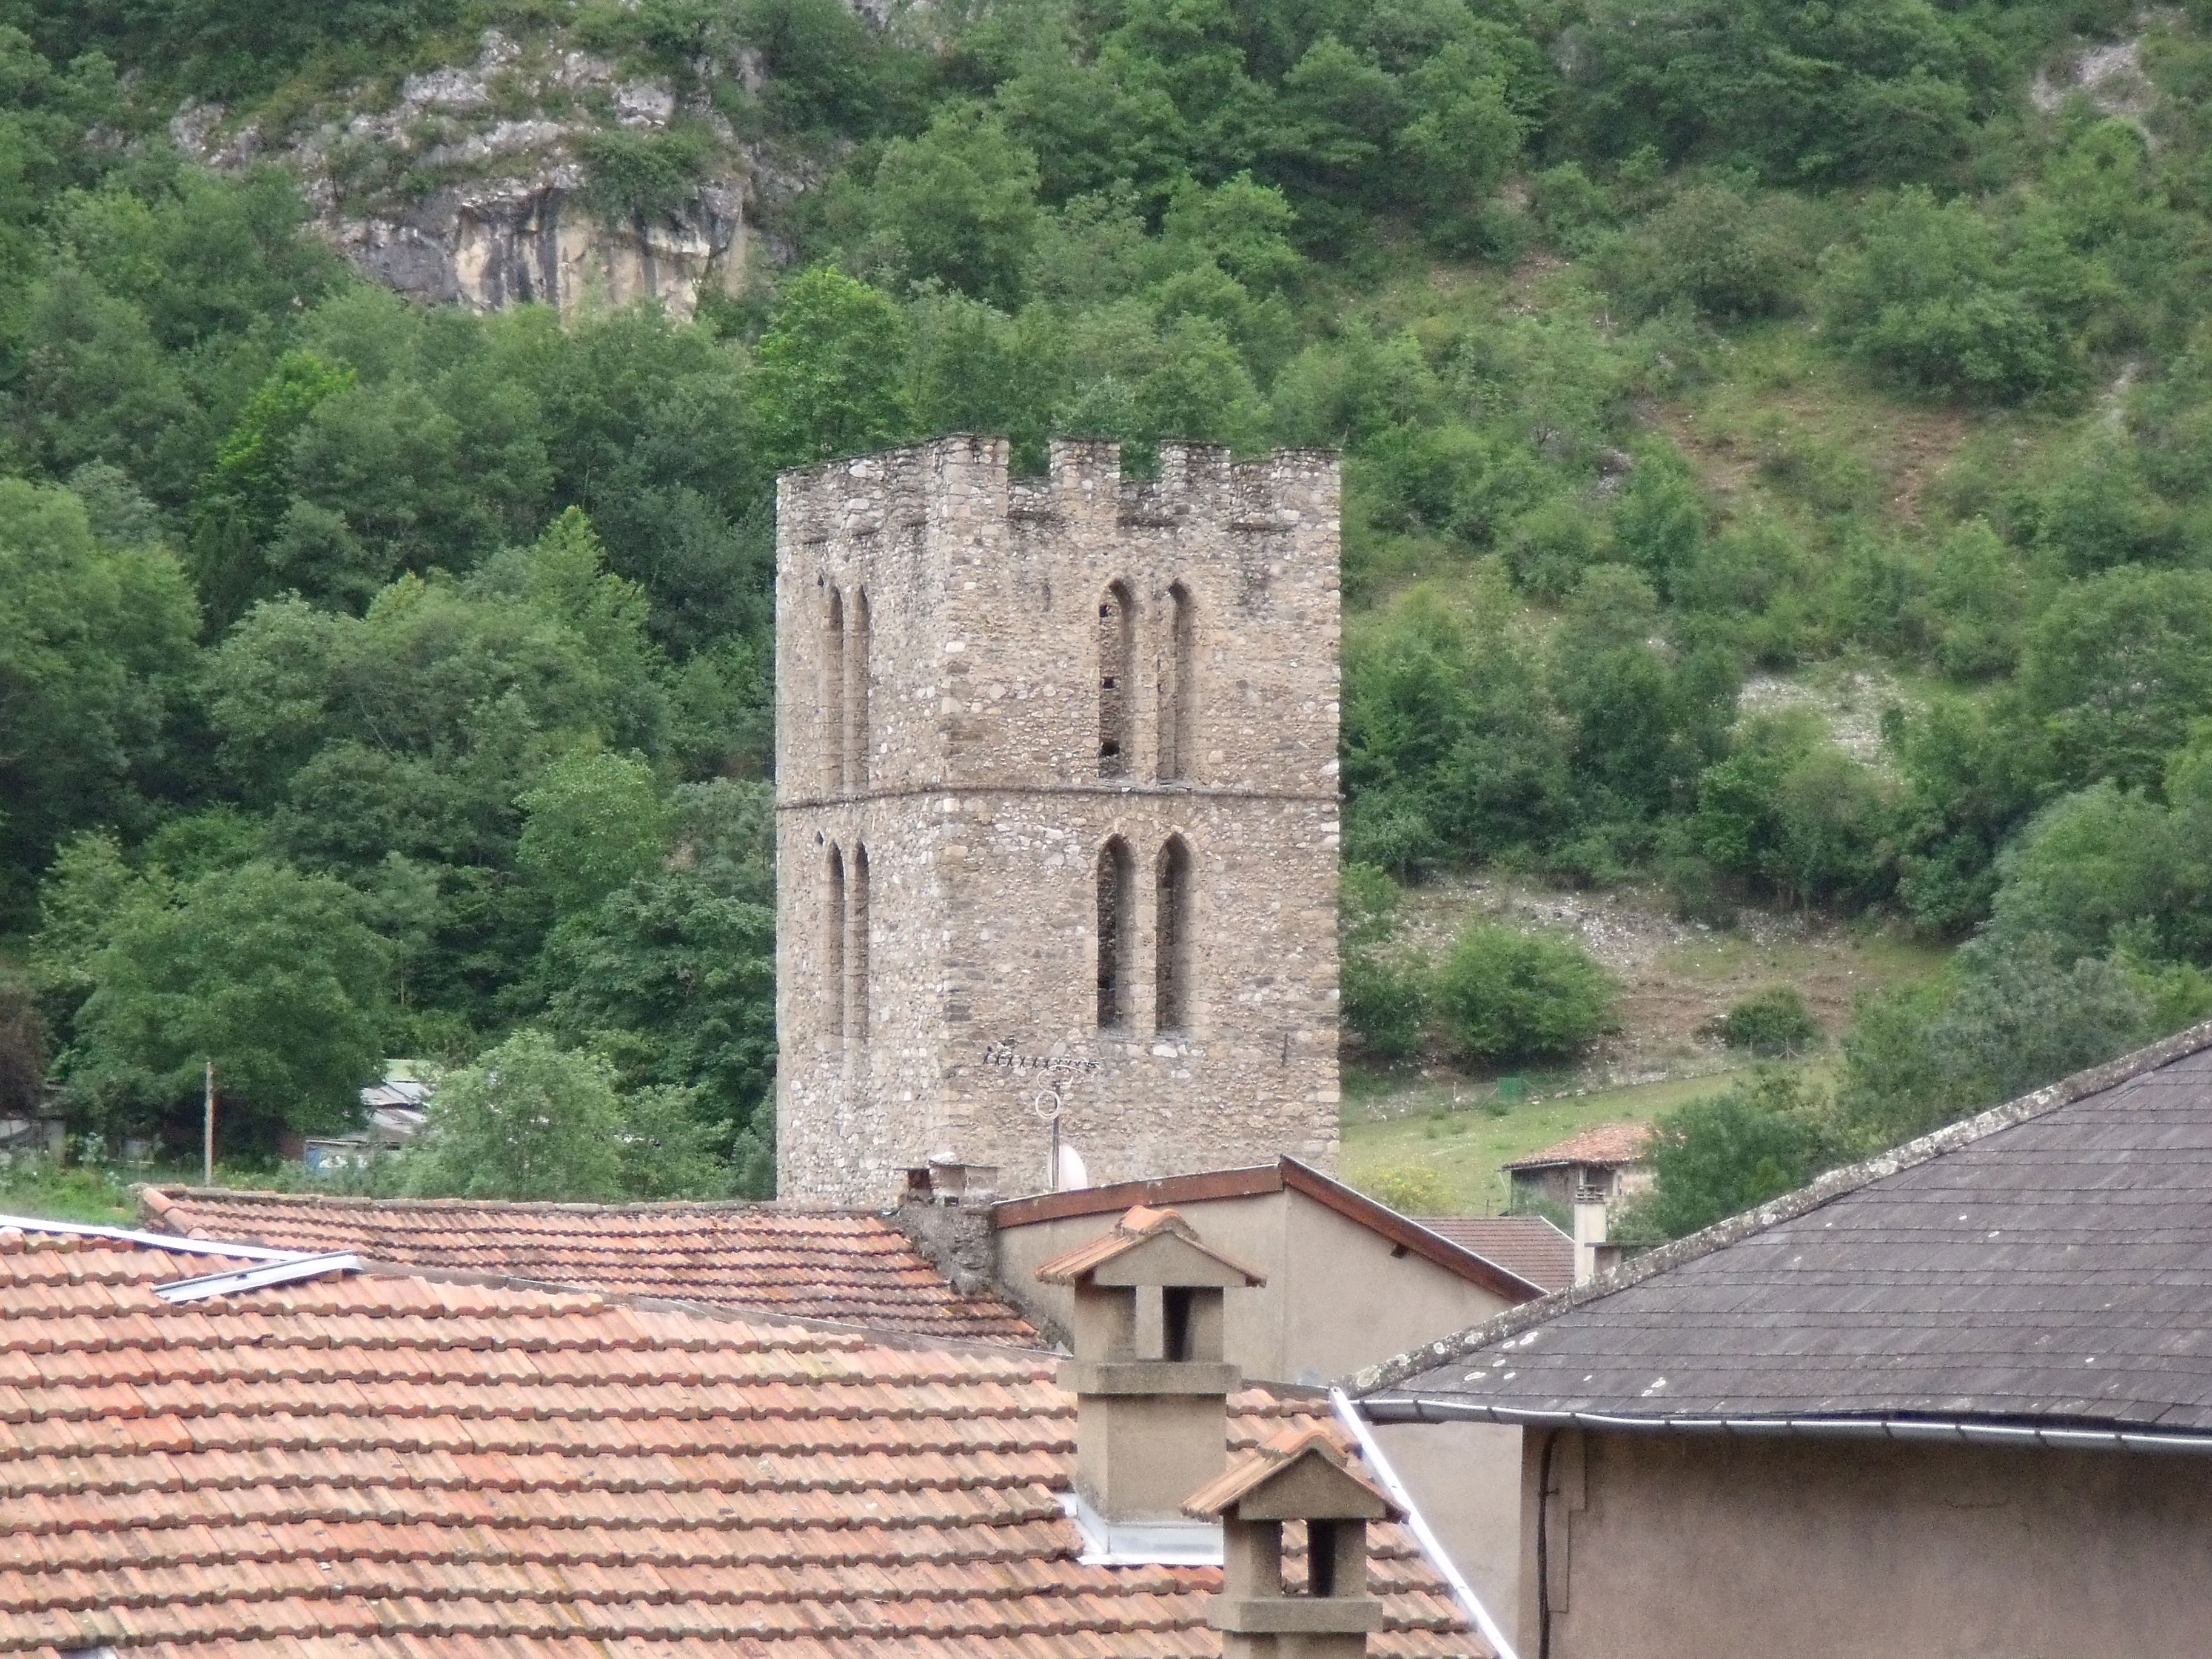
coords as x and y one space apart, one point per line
1946 1431
32 1224
1352 1418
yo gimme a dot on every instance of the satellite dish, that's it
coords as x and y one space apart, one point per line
1071 1173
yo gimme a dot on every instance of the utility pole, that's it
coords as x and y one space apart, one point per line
207 1130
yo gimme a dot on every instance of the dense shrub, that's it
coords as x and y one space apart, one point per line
1771 1022
1503 997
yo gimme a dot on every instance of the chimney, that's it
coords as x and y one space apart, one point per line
1300 1475
1589 1237
1148 1423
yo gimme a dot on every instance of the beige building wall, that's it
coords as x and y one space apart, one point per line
1693 1547
1471 1499
1339 1295
968 719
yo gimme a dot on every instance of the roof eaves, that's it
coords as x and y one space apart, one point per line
1956 1430
1124 1195
1825 1189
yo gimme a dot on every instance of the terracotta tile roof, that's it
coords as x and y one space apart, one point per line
383 1465
852 1267
1525 1244
1253 1470
1140 1225
1609 1143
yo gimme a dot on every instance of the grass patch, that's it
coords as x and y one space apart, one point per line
1446 1131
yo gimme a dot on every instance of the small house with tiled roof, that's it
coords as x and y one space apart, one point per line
1952 1400
1603 1165
855 1268
232 1451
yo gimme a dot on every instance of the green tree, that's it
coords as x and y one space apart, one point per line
829 375
528 1120
593 822
1716 1157
95 648
959 203
2117 668
273 974
673 976
1503 996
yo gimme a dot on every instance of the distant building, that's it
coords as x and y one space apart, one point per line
1605 1164
1954 1400
394 1112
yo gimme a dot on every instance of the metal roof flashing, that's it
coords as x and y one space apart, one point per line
1141 1544
257 1277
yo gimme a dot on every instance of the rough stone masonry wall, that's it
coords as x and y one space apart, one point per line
984 810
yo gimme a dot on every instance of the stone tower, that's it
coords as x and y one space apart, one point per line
1056 810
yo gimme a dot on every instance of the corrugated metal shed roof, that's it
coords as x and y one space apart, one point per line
2048 1262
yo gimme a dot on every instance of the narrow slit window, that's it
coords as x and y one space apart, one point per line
833 943
856 696
856 945
1171 961
1117 650
1179 687
1116 934
833 696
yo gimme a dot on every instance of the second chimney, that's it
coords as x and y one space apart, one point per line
1149 1425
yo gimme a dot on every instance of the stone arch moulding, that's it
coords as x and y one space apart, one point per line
833 692
1174 932
833 941
1117 678
1113 877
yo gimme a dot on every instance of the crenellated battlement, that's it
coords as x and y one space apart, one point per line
968 476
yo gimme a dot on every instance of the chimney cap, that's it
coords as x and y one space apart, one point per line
1298 1474
1150 1247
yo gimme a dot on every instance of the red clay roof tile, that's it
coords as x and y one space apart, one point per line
380 1467
828 1264
1609 1143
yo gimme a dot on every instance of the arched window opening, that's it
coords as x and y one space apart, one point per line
1179 688
833 696
1117 651
856 664
856 947
1172 963
1117 932
833 943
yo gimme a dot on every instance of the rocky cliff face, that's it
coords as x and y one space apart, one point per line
469 187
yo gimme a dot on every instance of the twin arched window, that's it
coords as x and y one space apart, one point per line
845 739
1172 935
1117 683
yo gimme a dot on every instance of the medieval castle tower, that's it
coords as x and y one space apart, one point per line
1056 809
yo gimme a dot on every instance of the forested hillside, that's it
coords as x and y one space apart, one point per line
382 678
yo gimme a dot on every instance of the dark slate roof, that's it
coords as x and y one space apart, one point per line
2048 1263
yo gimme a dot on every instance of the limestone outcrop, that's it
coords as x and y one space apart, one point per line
470 186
